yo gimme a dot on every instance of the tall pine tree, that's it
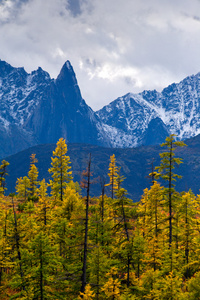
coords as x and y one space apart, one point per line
60 170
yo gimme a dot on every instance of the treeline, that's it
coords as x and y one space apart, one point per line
65 246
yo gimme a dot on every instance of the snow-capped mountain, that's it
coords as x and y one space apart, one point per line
20 93
35 109
177 109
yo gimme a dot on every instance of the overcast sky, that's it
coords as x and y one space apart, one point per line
114 46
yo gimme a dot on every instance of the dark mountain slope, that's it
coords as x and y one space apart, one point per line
135 164
64 113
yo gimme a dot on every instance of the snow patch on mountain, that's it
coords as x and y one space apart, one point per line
124 121
5 124
20 93
118 138
178 106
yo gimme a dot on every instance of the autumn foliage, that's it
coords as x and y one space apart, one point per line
57 244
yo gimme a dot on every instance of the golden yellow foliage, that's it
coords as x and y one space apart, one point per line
88 294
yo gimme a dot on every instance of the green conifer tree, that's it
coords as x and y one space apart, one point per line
3 174
168 163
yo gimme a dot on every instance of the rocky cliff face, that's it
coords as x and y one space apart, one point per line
36 109
64 113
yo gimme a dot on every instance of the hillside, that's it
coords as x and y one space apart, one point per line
135 165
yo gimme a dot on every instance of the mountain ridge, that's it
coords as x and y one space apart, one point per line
176 105
35 109
135 163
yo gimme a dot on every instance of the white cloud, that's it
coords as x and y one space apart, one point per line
115 46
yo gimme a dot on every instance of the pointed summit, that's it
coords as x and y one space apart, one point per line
155 133
63 113
67 85
67 75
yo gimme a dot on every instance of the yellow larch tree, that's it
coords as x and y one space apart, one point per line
112 287
23 187
60 170
33 175
88 294
113 171
3 174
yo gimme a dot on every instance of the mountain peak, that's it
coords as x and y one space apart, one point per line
41 74
67 85
5 68
68 65
67 74
155 133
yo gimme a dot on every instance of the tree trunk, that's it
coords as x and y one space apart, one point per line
86 229
170 197
41 274
102 208
18 244
127 236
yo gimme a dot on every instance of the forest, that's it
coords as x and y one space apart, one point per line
56 243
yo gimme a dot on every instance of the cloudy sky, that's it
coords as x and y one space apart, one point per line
115 46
